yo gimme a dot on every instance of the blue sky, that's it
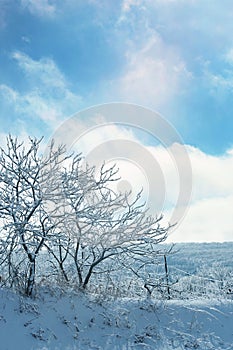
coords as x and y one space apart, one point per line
97 45
174 56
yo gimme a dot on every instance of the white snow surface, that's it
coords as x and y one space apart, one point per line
70 320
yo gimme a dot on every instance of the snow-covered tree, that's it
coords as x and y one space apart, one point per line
28 183
57 205
102 225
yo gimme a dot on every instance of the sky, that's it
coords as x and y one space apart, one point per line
174 57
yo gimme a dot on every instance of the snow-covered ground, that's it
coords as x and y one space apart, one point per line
70 321
199 316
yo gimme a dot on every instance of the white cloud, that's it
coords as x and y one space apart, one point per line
208 220
212 174
230 152
153 74
48 96
10 95
42 8
229 56
220 82
44 71
26 39
128 4
209 215
3 4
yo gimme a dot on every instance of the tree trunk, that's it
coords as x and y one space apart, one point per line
31 277
63 271
167 278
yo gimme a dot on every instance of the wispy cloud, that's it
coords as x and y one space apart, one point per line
48 95
229 56
43 72
219 81
128 4
41 8
153 74
3 10
31 104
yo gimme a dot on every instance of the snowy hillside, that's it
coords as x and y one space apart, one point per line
70 322
60 318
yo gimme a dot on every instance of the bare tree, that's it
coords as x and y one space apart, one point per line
101 224
70 211
28 183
